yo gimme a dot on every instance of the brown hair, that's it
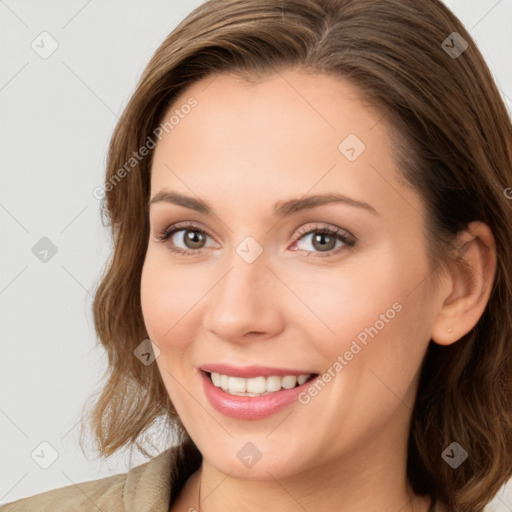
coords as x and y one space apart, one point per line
453 144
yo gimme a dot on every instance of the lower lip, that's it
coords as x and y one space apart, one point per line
250 407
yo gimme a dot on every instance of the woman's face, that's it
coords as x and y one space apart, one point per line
266 292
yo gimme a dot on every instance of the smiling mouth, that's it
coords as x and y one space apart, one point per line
258 386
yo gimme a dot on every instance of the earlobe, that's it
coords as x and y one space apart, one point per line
471 277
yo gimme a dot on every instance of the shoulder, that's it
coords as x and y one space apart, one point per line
93 495
144 487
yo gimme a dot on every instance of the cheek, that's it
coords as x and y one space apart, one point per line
168 296
371 309
339 304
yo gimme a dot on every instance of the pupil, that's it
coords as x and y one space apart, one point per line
194 238
320 238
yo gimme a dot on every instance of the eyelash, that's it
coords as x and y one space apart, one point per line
347 240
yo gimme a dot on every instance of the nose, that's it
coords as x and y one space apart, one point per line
245 302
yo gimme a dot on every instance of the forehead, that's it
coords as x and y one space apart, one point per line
288 133
325 106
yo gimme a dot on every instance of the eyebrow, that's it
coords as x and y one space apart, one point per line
281 208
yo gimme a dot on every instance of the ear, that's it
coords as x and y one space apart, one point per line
470 280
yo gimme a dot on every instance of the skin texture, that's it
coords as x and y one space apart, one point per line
242 149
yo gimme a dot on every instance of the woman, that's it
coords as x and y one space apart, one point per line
312 270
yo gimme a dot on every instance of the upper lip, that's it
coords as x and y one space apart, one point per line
248 372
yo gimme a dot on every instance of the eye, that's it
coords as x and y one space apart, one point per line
192 239
324 239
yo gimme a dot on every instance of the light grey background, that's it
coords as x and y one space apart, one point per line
57 116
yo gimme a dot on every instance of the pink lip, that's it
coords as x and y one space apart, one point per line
248 372
247 407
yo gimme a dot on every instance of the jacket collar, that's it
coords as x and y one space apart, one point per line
154 485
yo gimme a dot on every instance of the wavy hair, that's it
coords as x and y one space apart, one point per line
452 140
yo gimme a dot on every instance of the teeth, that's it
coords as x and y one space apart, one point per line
289 381
216 379
236 384
256 386
301 379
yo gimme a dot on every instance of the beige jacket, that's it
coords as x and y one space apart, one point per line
149 487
